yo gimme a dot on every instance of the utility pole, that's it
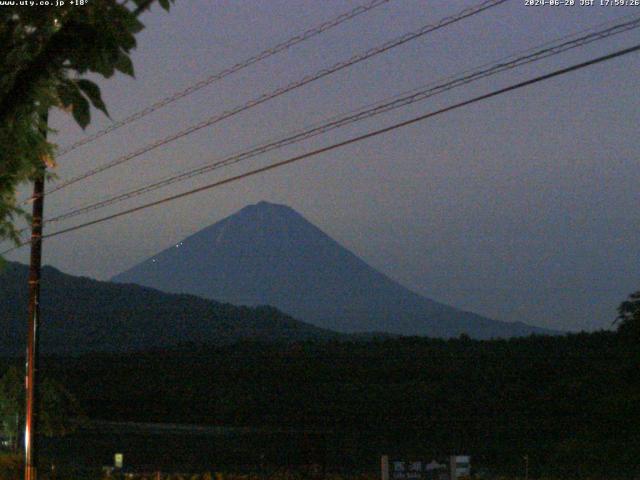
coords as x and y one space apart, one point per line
31 381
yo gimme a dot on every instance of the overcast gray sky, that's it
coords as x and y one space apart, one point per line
524 207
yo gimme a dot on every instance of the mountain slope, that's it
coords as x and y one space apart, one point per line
269 254
81 315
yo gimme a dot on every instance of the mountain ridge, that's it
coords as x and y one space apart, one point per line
270 254
81 315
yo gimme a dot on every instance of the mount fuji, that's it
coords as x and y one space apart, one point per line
268 254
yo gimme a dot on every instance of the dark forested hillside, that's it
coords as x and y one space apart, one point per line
83 315
572 404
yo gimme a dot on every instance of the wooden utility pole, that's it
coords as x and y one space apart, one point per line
31 381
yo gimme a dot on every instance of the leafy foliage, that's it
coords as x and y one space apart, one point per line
629 316
43 54
11 404
11 466
57 407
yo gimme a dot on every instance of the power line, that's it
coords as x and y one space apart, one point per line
541 78
615 27
467 12
306 35
397 102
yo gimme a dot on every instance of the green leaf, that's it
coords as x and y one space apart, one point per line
102 64
165 4
133 24
81 111
124 64
67 92
71 98
92 91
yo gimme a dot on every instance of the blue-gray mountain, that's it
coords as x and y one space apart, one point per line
268 254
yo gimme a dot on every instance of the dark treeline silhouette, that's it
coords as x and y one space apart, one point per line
571 403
